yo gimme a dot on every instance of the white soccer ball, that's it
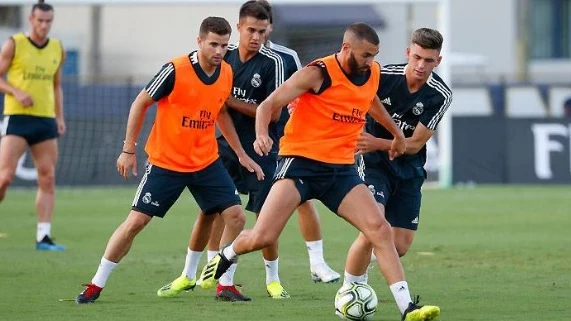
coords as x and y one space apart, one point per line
356 301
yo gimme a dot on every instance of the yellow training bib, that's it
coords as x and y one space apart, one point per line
33 70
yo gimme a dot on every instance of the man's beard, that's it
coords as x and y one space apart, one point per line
354 66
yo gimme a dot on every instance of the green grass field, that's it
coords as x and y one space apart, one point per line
497 254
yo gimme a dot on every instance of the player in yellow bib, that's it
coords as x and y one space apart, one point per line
30 78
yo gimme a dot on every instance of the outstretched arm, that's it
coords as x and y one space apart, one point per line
308 78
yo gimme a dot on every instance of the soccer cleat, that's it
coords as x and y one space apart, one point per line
213 270
276 290
230 293
47 244
323 273
89 295
416 312
182 283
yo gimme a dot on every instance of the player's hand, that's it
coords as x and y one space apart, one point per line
125 163
251 166
366 143
291 106
61 128
398 147
263 145
24 98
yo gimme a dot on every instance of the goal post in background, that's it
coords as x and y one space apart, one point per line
442 24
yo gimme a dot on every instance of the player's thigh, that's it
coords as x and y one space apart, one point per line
11 149
280 204
45 155
403 208
336 187
158 190
213 189
359 208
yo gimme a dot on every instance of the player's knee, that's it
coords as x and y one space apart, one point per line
134 224
6 179
262 240
378 230
46 179
402 244
402 249
234 217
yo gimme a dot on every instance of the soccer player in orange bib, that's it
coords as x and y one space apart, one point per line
318 155
182 149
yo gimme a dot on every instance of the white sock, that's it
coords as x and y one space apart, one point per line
210 255
401 294
44 228
191 263
105 268
272 271
350 278
227 279
229 253
315 251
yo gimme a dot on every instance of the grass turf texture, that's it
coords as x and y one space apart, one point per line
489 253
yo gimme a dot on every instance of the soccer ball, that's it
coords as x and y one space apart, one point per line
356 301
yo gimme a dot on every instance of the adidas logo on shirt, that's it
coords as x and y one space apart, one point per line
386 101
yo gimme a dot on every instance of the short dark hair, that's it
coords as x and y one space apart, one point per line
42 6
217 25
253 9
268 8
363 31
427 38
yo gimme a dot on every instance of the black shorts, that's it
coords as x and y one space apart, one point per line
33 129
401 197
247 183
211 187
329 183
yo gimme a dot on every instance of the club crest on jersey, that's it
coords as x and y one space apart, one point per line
256 80
418 108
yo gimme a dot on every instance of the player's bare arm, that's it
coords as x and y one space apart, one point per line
368 143
380 114
308 78
418 139
6 56
127 160
58 96
227 128
247 108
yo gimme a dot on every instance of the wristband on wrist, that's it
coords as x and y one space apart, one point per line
128 142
